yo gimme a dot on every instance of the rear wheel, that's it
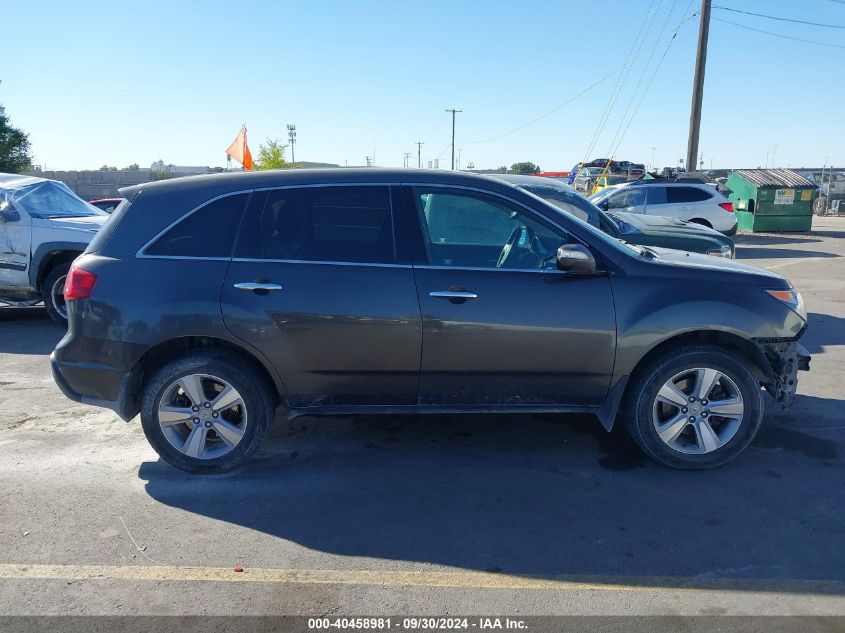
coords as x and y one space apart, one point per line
53 293
702 222
695 407
206 412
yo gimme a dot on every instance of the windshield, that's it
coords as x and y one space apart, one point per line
597 233
567 201
598 198
51 199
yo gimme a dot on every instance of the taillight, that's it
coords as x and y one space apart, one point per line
727 206
79 284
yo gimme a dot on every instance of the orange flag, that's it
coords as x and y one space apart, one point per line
239 150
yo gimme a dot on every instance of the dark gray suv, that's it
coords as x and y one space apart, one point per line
206 302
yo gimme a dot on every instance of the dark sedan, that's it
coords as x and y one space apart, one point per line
641 230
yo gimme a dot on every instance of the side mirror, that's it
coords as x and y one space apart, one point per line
8 214
575 259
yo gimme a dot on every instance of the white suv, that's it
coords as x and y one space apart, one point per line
44 226
694 202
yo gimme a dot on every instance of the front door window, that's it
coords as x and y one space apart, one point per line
474 230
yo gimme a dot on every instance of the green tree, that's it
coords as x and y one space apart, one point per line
133 167
272 156
108 168
14 147
526 168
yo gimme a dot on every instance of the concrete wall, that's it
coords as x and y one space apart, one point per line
90 185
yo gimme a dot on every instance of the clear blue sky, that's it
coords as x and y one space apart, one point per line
99 81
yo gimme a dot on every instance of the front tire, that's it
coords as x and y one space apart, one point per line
53 294
207 412
693 408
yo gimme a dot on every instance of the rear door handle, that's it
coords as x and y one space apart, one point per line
257 286
452 294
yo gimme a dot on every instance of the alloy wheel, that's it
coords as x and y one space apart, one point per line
202 416
698 411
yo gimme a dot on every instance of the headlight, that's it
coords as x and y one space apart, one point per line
790 297
723 251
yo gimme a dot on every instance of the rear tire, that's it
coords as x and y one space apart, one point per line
52 293
183 422
685 430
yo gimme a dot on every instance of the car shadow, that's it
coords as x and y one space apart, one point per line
769 239
543 496
755 252
28 331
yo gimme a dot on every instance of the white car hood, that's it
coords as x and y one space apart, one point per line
91 223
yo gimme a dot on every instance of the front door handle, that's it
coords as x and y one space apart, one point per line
456 296
257 286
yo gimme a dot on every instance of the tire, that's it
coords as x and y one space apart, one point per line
693 448
701 222
232 433
55 304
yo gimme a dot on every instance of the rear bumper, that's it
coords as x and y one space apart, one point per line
730 232
97 385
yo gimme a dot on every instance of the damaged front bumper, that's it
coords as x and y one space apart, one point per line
786 358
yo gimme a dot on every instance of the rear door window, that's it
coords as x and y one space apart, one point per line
207 232
686 194
656 194
324 224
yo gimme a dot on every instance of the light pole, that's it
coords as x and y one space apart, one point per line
292 140
419 154
453 111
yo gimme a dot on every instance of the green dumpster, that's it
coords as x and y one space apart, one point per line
772 200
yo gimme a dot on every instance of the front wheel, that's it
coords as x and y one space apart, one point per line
693 408
206 412
53 293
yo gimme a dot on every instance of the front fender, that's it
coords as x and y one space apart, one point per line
650 314
43 251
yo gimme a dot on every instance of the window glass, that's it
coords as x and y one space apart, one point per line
208 232
336 224
686 194
568 202
655 194
628 199
51 199
473 230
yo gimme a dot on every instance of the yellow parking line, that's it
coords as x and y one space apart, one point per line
448 579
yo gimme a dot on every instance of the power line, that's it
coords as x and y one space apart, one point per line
786 37
550 112
620 84
642 75
654 74
775 17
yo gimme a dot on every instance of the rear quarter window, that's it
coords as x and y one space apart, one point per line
207 232
687 194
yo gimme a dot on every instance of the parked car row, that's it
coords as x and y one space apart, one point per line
388 291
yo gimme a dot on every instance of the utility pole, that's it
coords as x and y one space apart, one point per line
698 84
292 140
453 111
419 154
459 158
406 156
